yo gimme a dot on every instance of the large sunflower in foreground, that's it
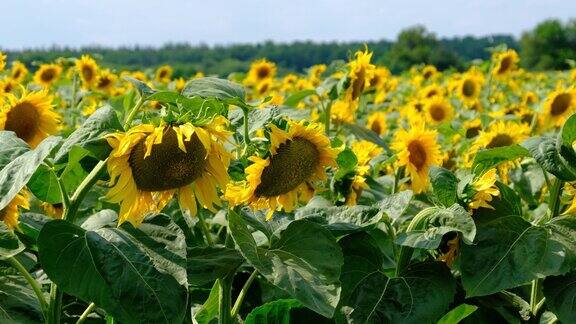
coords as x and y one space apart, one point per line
30 116
299 156
417 150
504 62
149 165
88 70
9 214
559 105
47 74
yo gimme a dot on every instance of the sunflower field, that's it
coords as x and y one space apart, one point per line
345 194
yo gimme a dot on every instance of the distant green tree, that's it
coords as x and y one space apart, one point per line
549 45
415 45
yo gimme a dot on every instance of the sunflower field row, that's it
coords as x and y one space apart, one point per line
345 194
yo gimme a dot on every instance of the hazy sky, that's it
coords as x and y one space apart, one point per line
34 23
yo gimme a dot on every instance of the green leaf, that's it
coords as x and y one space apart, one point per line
11 147
143 89
305 261
296 97
16 174
396 204
31 223
44 185
560 293
346 160
135 274
458 314
211 87
366 134
437 223
489 158
544 150
507 203
568 132
509 252
284 311
209 310
206 264
18 303
10 245
444 185
90 135
343 219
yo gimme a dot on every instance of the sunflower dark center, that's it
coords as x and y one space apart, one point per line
500 140
48 75
432 93
87 73
437 112
293 163
167 167
560 104
376 128
505 64
23 119
468 88
473 131
427 74
104 82
17 74
263 72
417 154
163 74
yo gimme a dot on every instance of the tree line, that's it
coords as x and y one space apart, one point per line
550 45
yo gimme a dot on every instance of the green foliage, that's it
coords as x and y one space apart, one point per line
549 45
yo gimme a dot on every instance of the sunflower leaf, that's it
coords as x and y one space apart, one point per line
135 274
444 185
10 245
18 303
296 97
11 147
210 87
545 151
206 264
560 293
16 174
490 158
143 89
304 262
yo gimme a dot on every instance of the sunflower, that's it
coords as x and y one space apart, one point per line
315 73
260 70
2 61
504 62
7 85
47 74
31 116
417 150
472 127
361 73
53 210
9 214
381 75
484 189
377 122
163 74
469 86
298 157
179 84
365 151
559 105
149 165
429 72
88 70
105 81
438 110
431 91
344 111
19 71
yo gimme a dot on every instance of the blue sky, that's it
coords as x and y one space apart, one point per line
35 23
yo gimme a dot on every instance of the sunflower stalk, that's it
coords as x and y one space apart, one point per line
243 293
63 192
32 282
224 300
246 127
205 229
85 314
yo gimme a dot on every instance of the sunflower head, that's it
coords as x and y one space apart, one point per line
438 110
361 73
163 74
484 190
504 62
344 111
47 74
377 122
431 91
88 71
2 61
260 70
7 85
469 87
19 71
9 214
298 157
105 81
417 150
429 72
381 74
559 105
30 116
149 165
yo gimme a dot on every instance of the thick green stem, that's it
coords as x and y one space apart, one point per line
133 112
327 112
87 312
32 282
243 293
55 305
246 127
204 228
224 300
